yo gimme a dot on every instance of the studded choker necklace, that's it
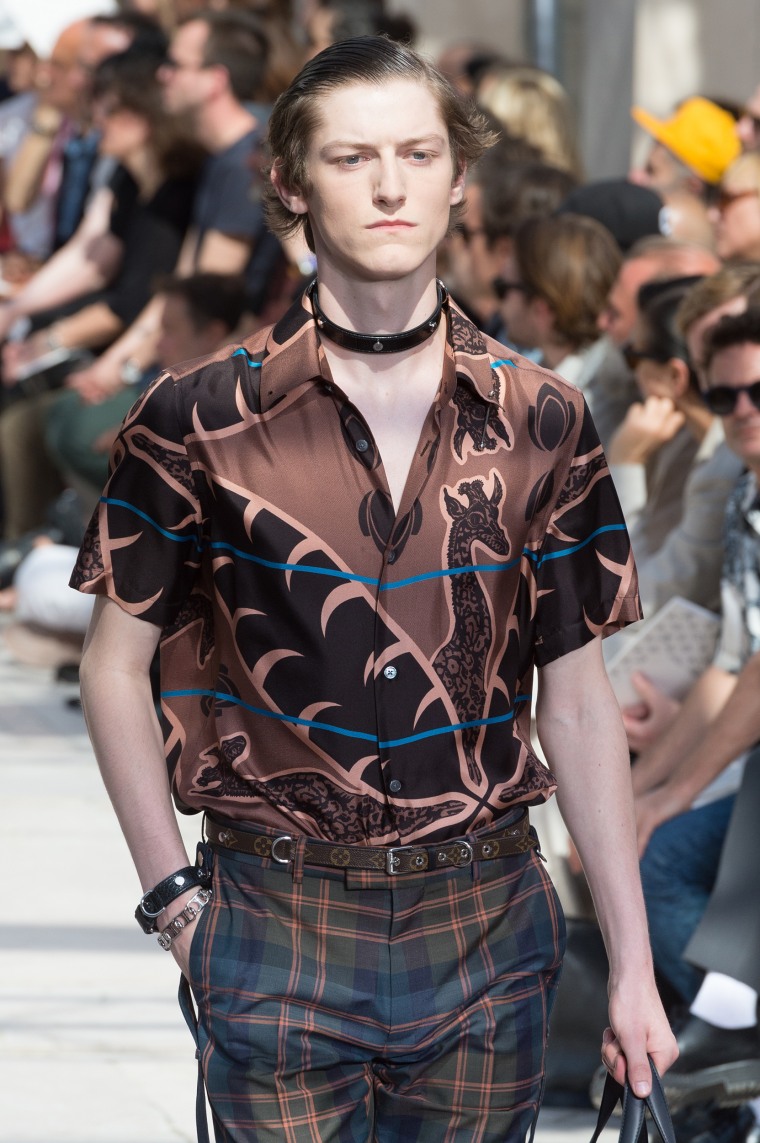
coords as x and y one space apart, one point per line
377 342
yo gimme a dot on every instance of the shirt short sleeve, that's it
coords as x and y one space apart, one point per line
586 582
142 546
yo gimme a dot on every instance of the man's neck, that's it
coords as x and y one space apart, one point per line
390 306
222 123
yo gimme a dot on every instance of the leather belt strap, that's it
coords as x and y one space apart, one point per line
514 838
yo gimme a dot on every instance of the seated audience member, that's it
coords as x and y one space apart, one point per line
648 258
555 284
59 155
694 475
152 205
684 563
26 236
685 783
532 104
502 191
687 158
216 65
689 151
199 314
736 211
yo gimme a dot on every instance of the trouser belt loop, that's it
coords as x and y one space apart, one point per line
298 851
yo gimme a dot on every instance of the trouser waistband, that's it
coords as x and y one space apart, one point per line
517 837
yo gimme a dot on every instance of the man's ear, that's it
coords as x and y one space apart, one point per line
457 188
293 200
679 377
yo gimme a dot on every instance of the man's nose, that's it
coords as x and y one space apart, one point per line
390 187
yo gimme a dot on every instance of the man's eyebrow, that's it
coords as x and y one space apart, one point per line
357 145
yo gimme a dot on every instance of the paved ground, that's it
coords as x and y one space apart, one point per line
93 1048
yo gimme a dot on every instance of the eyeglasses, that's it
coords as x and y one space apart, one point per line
501 287
722 399
634 357
724 198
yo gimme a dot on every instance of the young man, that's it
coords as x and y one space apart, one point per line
353 536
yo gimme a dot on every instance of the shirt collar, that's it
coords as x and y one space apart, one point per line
291 356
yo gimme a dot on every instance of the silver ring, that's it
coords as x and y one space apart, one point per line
275 843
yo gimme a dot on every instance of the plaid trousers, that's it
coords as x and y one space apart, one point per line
349 1006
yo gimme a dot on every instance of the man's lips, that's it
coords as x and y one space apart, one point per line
391 224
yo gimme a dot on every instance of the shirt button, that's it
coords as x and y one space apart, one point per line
362 445
391 557
390 672
394 785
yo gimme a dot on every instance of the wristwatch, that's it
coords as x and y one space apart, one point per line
188 914
131 372
153 903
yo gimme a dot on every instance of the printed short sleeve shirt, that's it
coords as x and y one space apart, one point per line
330 666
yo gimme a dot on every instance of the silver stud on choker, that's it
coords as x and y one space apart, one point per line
377 342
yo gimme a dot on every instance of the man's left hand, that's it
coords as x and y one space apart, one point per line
638 1028
654 808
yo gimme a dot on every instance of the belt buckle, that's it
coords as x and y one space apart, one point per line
392 861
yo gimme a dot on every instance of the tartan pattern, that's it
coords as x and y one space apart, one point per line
348 1007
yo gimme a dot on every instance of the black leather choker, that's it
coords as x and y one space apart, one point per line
377 342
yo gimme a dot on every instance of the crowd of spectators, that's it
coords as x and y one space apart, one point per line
132 236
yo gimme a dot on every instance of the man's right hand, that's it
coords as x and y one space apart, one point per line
646 427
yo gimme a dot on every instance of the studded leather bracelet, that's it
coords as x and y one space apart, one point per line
153 903
191 910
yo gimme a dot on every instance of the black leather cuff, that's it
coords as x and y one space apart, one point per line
153 903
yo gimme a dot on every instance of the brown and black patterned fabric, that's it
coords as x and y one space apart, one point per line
331 667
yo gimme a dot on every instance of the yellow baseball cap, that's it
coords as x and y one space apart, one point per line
699 133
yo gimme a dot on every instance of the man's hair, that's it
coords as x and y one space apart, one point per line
734 329
511 194
208 297
732 281
658 303
146 33
365 59
238 42
570 261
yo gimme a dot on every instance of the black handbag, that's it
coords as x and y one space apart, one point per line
633 1128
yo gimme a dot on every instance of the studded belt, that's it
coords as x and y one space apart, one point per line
515 838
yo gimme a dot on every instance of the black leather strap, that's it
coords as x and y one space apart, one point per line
633 1126
153 903
188 1011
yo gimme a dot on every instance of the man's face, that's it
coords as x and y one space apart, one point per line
381 180
98 42
184 77
63 89
695 338
618 317
471 264
736 214
740 365
518 309
661 172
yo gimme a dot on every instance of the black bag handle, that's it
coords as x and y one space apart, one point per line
633 1128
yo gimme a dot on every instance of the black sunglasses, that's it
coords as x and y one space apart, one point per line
634 357
501 287
721 399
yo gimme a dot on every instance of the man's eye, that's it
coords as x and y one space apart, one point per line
350 160
420 156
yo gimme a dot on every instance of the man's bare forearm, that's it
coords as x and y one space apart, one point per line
126 737
735 729
677 745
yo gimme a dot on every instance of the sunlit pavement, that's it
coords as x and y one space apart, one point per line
93 1048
